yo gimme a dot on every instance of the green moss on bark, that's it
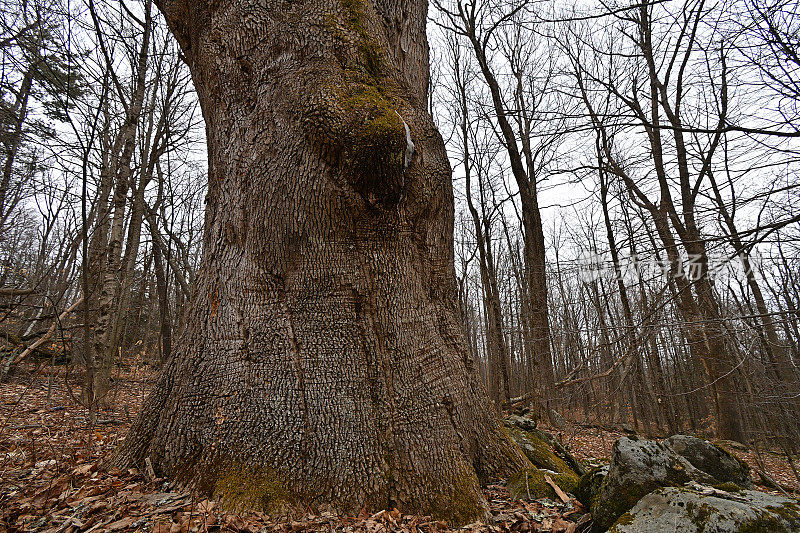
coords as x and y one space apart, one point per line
355 20
461 502
380 124
240 488
356 119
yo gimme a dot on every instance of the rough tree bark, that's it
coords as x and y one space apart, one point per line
323 360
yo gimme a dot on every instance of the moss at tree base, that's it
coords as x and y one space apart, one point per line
242 488
459 504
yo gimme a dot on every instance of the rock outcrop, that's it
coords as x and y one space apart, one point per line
637 468
540 447
589 485
683 510
711 459
547 455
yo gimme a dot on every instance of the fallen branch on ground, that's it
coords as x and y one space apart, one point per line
44 338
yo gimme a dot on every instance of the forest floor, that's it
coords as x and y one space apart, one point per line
51 477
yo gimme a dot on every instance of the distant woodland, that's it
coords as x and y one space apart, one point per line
622 250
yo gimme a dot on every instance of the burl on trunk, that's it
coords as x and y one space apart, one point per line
322 361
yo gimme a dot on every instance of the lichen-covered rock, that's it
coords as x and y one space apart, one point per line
681 510
522 422
530 484
589 485
557 420
639 467
713 460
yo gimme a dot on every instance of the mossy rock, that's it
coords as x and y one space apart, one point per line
539 452
530 484
589 485
714 460
528 426
638 467
728 487
684 510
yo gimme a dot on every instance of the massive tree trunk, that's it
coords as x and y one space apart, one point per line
323 361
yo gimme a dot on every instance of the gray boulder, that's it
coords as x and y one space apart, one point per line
637 468
522 422
713 460
557 420
681 510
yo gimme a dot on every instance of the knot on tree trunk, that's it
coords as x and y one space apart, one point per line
355 120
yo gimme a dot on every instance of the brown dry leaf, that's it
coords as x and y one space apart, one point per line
121 524
577 506
161 527
373 527
206 506
560 525
233 523
84 469
252 525
101 497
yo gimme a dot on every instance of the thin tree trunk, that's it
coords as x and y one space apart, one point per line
105 342
14 141
498 350
533 235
